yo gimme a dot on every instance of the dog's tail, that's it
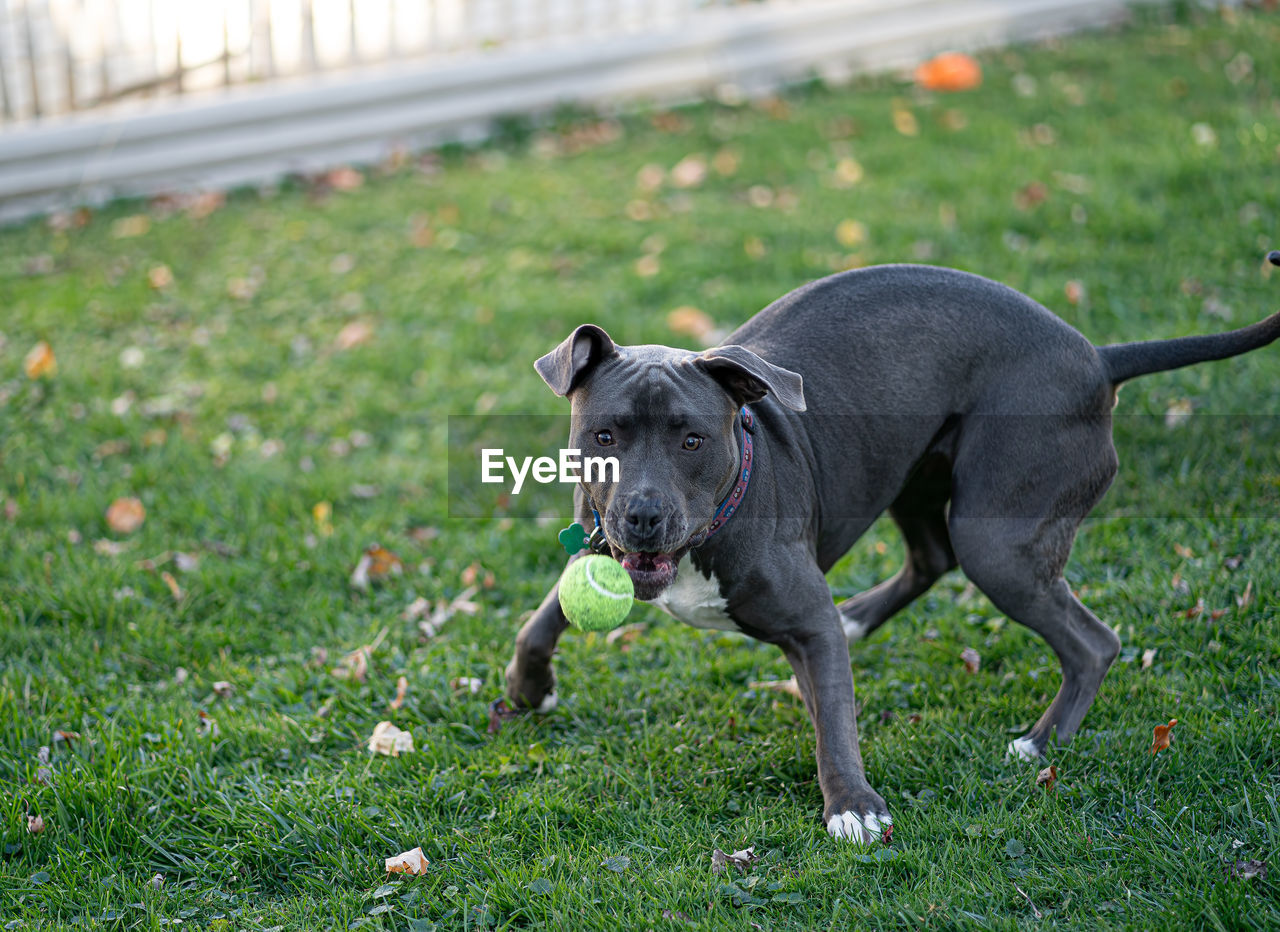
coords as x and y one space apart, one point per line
1129 360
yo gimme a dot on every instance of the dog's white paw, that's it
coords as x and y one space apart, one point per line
1022 749
549 702
854 630
863 830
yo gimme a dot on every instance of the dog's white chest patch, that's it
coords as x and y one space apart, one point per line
695 599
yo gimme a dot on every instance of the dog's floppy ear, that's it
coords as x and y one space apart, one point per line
566 365
749 378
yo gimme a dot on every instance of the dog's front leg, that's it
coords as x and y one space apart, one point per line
819 653
531 684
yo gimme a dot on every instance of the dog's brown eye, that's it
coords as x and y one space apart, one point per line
604 438
692 442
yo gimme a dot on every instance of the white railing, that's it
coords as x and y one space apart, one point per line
263 130
58 56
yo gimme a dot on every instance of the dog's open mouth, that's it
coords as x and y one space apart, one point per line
650 572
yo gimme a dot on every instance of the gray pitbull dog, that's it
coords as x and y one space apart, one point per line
977 418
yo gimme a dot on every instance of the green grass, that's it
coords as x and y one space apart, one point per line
660 751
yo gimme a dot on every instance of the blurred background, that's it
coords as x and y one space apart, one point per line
100 98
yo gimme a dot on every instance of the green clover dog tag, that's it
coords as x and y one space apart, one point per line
573 538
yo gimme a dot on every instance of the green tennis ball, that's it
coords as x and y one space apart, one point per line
596 593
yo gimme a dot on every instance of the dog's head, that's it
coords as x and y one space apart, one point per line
667 415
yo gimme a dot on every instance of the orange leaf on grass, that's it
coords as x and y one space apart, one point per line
691 322
353 334
402 689
159 277
174 589
1047 778
40 361
1160 737
972 659
125 515
375 564
950 71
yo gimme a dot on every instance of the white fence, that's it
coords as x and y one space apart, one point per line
675 48
58 56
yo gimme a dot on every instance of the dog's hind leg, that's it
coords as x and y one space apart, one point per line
1012 530
920 513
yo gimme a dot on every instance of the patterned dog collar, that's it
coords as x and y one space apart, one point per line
739 490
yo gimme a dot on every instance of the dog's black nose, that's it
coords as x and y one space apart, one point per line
643 515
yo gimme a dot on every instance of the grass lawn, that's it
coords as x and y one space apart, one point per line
303 348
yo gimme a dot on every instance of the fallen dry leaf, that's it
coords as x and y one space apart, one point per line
174 589
904 121
1148 658
948 72
125 515
322 514
851 233
1074 291
203 204
408 862
390 740
1047 778
344 179
223 689
375 564
355 666
156 881
848 172
35 825
1030 195
650 177
692 322
500 712
1185 552
160 276
740 859
466 684
402 689
444 610
689 172
972 659
648 266
416 609
726 162
1196 610
353 334
1161 736
627 633
477 573
129 227
1243 601
40 362
791 687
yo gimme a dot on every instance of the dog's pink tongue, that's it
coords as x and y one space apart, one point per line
647 562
